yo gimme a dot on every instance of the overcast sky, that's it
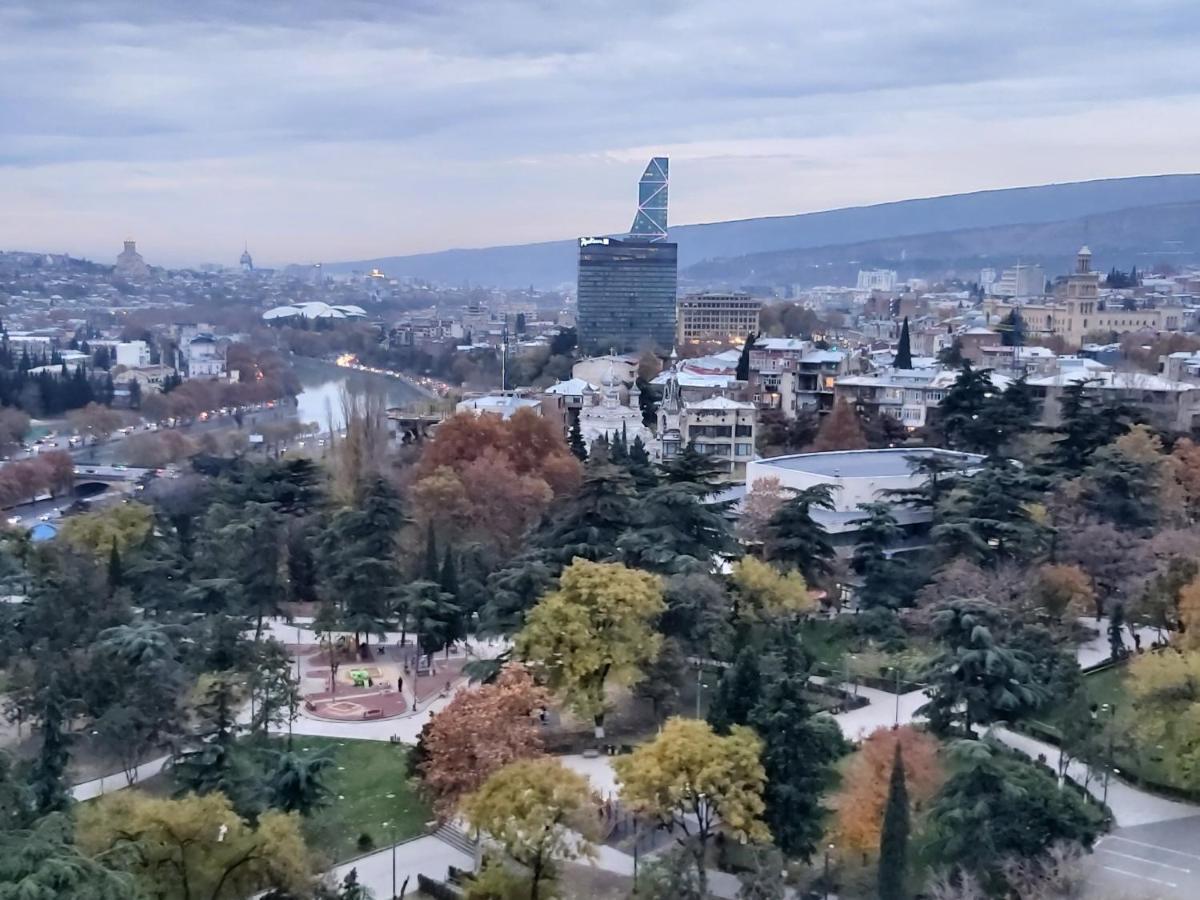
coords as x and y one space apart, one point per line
344 130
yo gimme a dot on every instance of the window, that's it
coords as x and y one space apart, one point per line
744 430
743 450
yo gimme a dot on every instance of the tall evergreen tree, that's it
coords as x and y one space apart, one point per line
798 753
893 839
738 693
448 580
1012 330
591 523
904 348
742 373
48 774
1087 423
114 568
796 539
881 573
431 570
575 441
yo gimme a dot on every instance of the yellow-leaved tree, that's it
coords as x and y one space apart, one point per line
691 778
1063 590
539 811
125 525
1164 709
765 593
596 628
196 846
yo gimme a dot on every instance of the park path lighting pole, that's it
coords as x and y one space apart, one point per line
896 722
392 832
825 877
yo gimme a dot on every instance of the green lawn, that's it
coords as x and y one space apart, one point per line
368 787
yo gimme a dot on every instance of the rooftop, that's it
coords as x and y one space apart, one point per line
890 463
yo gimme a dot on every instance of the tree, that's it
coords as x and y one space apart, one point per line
742 373
764 594
904 348
975 679
1123 488
988 518
997 805
296 781
679 530
576 442
591 523
690 778
1012 329
765 880
881 573
738 693
95 421
962 414
1087 424
797 756
43 863
97 533
762 502
47 776
539 811
841 429
478 733
596 627
1164 689
893 843
1062 590
359 563
196 848
795 539
14 425
210 766
862 802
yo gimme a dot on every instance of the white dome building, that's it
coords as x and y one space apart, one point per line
607 415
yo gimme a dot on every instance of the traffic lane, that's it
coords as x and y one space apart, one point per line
1159 861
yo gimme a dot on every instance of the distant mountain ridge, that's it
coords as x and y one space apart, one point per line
552 263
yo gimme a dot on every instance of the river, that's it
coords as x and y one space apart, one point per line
320 397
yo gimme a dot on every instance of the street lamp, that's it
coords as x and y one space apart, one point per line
825 878
700 686
392 832
896 722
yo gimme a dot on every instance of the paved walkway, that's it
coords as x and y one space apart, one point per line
428 856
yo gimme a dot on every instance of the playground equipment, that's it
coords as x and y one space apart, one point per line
359 677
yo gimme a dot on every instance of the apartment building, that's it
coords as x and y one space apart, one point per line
715 316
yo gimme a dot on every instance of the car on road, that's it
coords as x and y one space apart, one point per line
14 520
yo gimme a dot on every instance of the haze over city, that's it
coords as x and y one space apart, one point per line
319 131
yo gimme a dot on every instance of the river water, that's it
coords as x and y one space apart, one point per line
320 398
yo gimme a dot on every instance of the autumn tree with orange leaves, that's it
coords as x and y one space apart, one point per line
858 820
487 479
477 734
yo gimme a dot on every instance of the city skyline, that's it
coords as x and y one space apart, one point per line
381 132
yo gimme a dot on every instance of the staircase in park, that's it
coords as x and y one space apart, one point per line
456 838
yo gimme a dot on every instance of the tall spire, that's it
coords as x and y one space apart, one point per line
651 219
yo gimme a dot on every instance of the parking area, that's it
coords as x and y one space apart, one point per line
1160 861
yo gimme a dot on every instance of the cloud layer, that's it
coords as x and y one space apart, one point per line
337 130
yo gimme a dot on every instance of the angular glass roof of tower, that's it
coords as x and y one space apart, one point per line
651 219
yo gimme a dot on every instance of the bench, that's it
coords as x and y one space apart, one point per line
372 714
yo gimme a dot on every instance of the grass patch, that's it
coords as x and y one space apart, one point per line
368 786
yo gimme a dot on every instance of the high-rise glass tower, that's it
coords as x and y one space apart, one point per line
627 287
650 222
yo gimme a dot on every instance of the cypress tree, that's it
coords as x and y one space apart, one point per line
575 441
904 348
431 571
448 581
743 366
114 568
738 693
893 839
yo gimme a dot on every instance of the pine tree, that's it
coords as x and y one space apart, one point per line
795 538
904 348
448 580
738 693
893 840
841 429
798 752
